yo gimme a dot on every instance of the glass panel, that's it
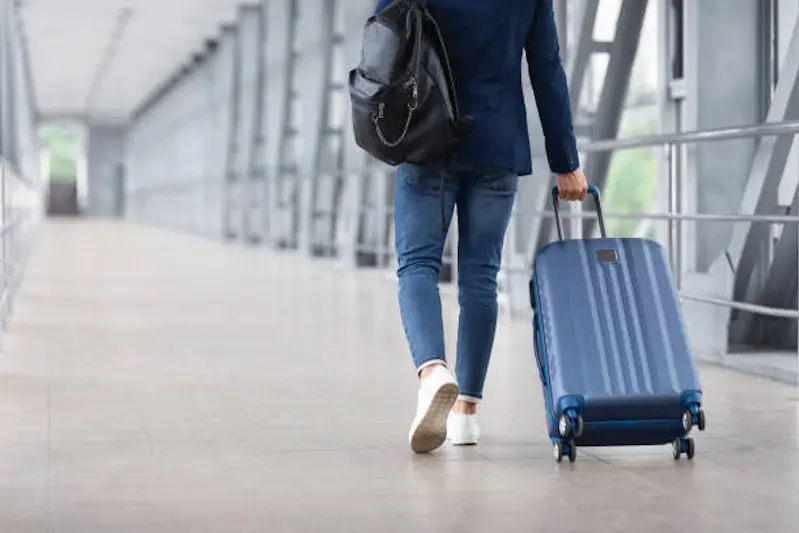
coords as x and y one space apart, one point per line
594 79
633 174
607 16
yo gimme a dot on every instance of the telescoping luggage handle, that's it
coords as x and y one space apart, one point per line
593 191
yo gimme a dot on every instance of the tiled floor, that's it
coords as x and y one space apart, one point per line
159 383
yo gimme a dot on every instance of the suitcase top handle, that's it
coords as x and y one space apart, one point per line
593 191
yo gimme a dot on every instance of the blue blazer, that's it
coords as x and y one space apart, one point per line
485 39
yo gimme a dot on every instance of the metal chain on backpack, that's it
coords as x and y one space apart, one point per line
412 105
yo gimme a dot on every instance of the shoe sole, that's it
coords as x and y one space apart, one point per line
431 432
464 443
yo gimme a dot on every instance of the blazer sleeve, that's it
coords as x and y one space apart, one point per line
381 4
551 89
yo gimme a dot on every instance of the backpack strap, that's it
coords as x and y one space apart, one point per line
438 42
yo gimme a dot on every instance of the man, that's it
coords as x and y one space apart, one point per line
484 40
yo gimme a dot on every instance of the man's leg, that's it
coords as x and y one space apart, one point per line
484 209
420 244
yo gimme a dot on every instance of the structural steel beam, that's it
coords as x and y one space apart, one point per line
230 231
616 82
329 153
241 193
766 174
277 55
317 21
579 59
256 164
284 223
356 163
605 120
213 105
776 291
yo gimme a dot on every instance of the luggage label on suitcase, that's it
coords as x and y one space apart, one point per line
610 345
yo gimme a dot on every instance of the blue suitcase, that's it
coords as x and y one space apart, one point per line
611 346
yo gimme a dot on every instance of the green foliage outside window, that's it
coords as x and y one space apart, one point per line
631 184
63 145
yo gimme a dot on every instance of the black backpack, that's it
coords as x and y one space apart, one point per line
404 107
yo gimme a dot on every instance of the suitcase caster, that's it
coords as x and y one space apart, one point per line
687 422
700 420
570 424
561 449
689 419
683 445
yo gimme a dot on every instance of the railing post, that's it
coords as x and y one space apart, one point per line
668 148
672 150
795 136
678 208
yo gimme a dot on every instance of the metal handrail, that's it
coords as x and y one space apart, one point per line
751 308
15 238
687 137
11 167
14 222
704 217
671 142
160 186
742 306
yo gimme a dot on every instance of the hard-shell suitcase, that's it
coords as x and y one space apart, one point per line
611 346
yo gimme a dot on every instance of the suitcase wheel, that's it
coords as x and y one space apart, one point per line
570 423
689 419
683 445
561 449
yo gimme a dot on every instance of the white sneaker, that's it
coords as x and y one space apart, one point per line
462 430
437 394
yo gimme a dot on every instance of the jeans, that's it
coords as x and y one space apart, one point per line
484 199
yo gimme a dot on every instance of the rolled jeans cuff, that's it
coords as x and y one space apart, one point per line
430 363
469 399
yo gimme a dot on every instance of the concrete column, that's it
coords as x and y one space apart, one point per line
723 88
788 13
314 36
248 35
278 52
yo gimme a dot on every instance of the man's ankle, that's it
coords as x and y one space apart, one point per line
462 407
426 371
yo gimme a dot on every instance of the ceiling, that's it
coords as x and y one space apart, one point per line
102 58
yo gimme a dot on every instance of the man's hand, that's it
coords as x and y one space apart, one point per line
572 186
